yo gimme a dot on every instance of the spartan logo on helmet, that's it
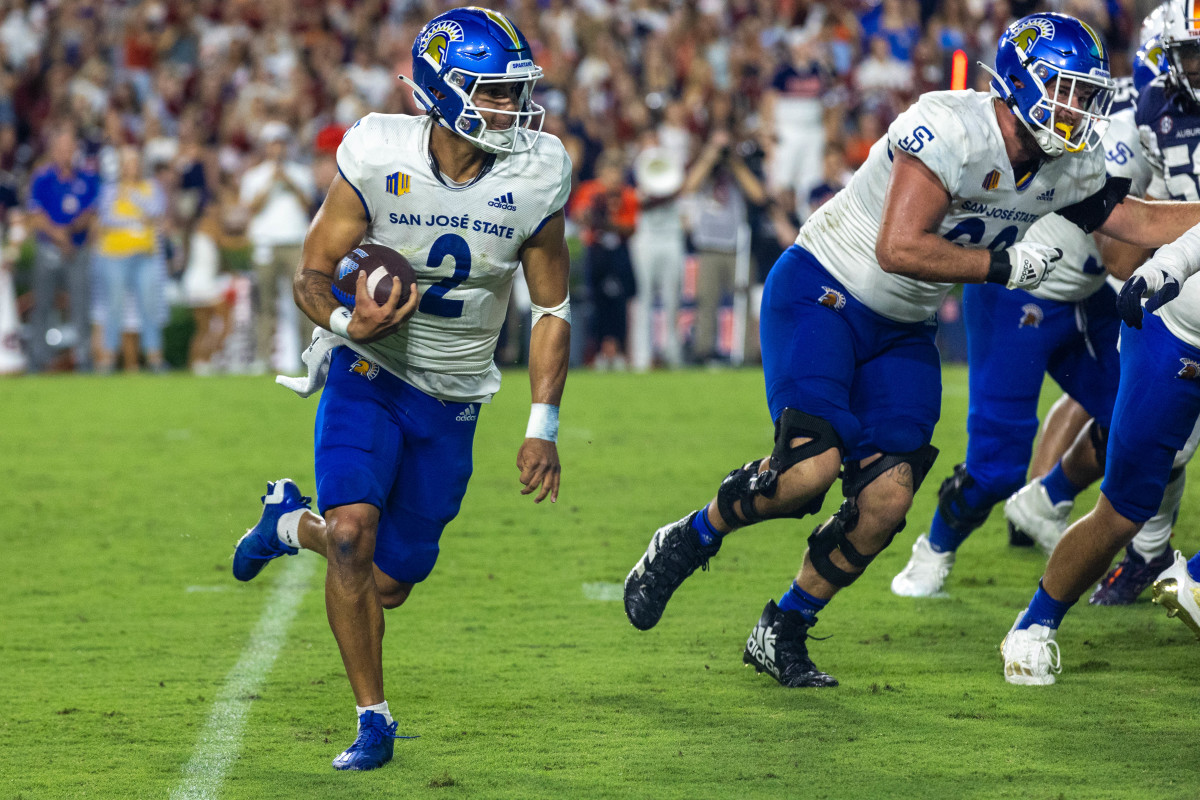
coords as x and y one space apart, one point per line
1033 30
1190 370
832 298
1031 316
434 41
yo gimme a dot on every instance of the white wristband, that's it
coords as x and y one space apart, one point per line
339 321
543 422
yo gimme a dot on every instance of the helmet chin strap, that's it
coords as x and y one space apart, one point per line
1045 140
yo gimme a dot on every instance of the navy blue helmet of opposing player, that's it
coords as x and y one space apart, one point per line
1181 44
457 54
1052 70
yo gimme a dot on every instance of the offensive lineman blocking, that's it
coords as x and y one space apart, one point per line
405 383
852 372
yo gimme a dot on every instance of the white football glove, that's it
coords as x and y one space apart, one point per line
1031 263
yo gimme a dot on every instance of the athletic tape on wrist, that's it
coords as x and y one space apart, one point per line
543 422
339 321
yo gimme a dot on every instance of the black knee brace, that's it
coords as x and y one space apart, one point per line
832 534
745 483
920 460
953 506
1098 436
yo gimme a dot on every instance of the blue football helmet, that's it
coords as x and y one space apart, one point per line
1052 71
1149 62
1181 44
462 50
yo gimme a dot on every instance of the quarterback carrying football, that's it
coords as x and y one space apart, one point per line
848 315
467 193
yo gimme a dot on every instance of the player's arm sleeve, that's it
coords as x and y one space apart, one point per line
352 165
936 137
1092 211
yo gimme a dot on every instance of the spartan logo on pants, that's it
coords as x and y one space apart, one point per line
761 647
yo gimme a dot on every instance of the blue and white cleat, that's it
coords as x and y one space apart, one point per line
261 543
373 747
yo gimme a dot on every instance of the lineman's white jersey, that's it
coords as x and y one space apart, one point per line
1080 273
956 135
464 244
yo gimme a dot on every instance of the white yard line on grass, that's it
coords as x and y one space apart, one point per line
221 740
604 592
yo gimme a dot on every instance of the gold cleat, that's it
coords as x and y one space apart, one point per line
1175 591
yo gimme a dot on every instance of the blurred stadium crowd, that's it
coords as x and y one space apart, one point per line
159 161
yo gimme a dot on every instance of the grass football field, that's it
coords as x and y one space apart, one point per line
132 665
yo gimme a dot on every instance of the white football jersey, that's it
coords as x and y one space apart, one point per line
956 135
1080 272
464 244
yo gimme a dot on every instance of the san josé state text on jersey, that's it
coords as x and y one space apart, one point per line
463 242
957 136
446 221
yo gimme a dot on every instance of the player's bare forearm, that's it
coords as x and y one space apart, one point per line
1150 223
908 243
929 257
547 270
313 293
1118 257
549 353
338 227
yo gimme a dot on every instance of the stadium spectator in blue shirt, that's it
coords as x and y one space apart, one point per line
62 201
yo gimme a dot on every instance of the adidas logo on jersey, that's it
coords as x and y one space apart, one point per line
1047 195
503 202
468 414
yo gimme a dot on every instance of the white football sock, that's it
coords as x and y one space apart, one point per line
378 708
289 527
1155 536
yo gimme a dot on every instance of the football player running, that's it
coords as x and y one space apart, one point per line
1043 506
468 192
1158 402
1065 327
851 370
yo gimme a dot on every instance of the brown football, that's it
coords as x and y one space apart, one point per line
382 265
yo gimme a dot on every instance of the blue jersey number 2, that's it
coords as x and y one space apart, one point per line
434 300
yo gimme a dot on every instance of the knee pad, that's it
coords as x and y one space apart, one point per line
745 483
1098 436
952 505
831 535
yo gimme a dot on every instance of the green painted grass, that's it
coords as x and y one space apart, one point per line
119 622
